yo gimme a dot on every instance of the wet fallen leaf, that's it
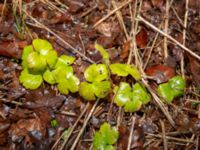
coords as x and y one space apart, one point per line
142 38
160 73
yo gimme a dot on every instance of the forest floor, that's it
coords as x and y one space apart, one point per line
160 37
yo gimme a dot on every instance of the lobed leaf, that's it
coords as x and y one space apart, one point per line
64 60
42 46
48 76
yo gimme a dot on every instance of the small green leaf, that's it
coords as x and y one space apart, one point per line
36 63
42 46
73 83
139 91
123 94
51 58
86 91
165 91
132 106
30 81
64 60
96 73
103 53
26 51
63 87
178 85
49 77
105 138
54 123
62 72
101 89
125 70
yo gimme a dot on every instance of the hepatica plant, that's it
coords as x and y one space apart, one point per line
96 84
173 88
131 98
105 138
40 62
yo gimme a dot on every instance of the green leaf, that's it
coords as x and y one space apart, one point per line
101 89
86 91
73 83
139 91
49 77
54 123
61 73
36 63
30 81
51 58
178 85
96 73
123 94
63 87
125 70
165 91
42 46
64 60
105 138
26 51
133 105
103 53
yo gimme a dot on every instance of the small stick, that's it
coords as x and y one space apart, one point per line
166 29
168 36
131 133
163 135
84 125
111 13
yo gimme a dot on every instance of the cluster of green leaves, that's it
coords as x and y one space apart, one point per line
105 138
173 88
40 62
96 84
131 98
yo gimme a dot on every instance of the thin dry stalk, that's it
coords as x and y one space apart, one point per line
131 133
163 134
71 129
120 19
169 37
160 104
50 4
184 37
111 13
170 138
4 5
84 125
58 37
61 4
166 29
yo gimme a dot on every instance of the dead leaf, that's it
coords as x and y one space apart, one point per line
160 73
142 38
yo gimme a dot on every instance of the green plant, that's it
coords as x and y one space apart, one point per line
105 138
125 70
173 88
40 61
131 98
96 84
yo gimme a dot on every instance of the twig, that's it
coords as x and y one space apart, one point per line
111 13
166 29
131 133
184 37
163 135
84 125
169 37
70 130
58 37
120 19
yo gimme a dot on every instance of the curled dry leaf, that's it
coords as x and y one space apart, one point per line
142 38
160 73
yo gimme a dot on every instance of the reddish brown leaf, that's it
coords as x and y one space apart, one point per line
125 51
158 3
142 38
160 73
194 67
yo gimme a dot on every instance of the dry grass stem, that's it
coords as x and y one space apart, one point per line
111 13
84 125
163 134
169 37
70 131
131 133
59 38
166 29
